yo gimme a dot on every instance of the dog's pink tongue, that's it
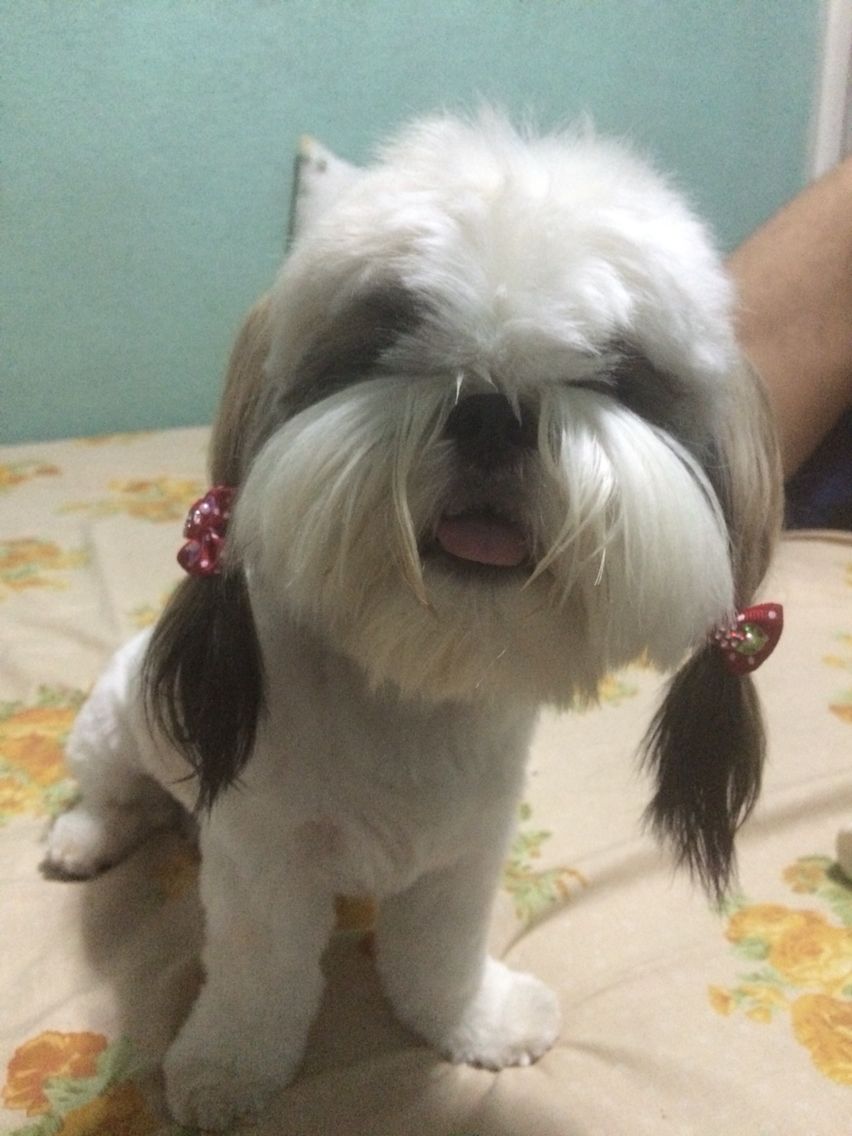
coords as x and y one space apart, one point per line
482 539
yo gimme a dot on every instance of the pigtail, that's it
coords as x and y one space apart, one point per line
705 750
203 679
706 746
202 676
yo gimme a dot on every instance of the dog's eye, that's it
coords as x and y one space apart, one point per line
662 399
351 345
643 388
626 376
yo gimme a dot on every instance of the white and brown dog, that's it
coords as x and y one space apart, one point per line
488 437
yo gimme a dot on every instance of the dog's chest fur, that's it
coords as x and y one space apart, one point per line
368 790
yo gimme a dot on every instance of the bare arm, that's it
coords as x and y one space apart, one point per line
795 281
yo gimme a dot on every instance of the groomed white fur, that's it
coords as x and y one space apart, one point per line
604 559
401 695
347 793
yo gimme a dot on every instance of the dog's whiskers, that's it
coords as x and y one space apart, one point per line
599 576
459 384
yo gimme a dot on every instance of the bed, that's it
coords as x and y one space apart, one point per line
679 1018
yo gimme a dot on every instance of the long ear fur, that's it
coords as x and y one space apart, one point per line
229 457
706 745
202 677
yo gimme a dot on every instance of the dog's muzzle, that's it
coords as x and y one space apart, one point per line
491 439
488 431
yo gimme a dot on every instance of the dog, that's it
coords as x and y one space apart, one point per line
488 437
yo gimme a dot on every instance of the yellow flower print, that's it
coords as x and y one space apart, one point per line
147 614
614 689
143 616
30 740
78 1084
18 796
50 1054
807 875
33 778
15 473
535 891
844 642
25 562
758 999
824 1026
842 706
815 955
768 922
153 499
760 1014
39 756
110 439
762 998
721 1000
120 1110
805 965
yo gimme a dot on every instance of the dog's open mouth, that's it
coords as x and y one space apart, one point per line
480 537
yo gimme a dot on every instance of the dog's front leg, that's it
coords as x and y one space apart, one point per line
433 962
266 928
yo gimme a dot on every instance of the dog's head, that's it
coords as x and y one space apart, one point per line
492 437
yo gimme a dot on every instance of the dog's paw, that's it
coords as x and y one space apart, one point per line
210 1096
81 843
513 1020
220 1072
91 837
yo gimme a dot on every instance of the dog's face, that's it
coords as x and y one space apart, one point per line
491 436
496 376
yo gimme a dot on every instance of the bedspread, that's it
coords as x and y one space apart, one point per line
678 1018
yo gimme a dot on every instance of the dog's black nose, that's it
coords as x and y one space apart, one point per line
487 428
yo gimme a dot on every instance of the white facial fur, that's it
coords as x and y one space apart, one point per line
524 263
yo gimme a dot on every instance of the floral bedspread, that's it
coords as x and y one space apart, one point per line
678 1018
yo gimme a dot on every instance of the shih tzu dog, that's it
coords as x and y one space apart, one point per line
488 437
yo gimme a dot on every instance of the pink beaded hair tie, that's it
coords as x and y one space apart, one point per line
204 530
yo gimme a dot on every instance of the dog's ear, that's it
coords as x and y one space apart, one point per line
202 676
232 440
319 179
705 747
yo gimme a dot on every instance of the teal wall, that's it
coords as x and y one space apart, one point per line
146 147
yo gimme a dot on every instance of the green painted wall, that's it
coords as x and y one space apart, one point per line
146 148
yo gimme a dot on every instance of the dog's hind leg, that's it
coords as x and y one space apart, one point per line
120 804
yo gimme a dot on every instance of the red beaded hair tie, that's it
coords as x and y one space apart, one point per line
751 638
204 530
